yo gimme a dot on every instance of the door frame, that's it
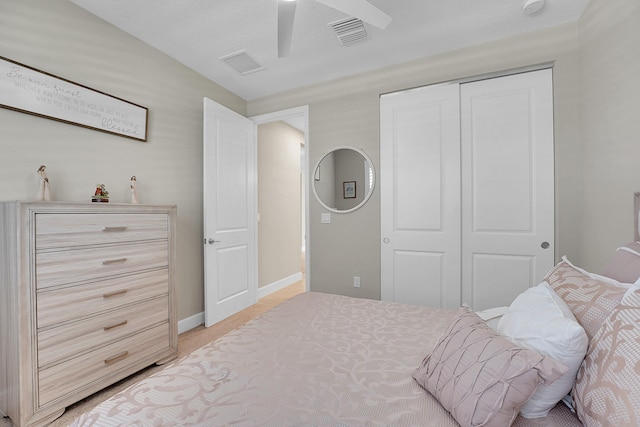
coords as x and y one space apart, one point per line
283 115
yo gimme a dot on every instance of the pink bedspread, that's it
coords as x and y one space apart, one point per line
315 360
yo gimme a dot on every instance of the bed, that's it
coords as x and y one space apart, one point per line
328 360
314 360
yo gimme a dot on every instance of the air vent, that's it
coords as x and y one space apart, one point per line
242 62
349 31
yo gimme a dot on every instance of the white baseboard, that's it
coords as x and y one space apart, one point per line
280 284
198 319
190 322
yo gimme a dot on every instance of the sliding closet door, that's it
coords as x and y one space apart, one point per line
466 188
507 186
420 196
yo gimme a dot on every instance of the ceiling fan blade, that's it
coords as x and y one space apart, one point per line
286 14
360 9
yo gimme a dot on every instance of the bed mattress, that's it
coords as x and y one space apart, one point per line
314 360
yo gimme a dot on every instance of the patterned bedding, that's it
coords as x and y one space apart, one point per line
315 360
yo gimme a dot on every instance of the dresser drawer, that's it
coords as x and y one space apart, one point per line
57 230
63 305
74 374
80 265
72 339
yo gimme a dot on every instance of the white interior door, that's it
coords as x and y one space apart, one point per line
420 196
507 186
229 212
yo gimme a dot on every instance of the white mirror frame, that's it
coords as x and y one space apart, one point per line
366 197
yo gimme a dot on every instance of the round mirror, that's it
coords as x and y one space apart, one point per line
343 179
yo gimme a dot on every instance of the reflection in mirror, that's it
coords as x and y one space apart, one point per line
343 179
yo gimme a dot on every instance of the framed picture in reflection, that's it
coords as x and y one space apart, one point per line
349 190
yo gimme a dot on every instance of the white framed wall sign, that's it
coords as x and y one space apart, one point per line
28 90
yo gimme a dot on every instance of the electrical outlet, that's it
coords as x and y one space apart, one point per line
356 281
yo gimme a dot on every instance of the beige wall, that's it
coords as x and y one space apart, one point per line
61 38
610 125
346 112
279 238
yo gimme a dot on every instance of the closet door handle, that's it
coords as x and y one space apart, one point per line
545 245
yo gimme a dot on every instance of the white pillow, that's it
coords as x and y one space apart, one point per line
492 316
539 319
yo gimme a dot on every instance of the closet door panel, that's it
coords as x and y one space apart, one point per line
418 182
501 163
422 270
507 186
490 272
420 196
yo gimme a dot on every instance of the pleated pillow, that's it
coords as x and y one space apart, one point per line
481 378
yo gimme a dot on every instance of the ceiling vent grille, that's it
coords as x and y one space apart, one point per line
242 62
349 31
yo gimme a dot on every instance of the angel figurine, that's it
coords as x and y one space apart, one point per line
44 191
132 187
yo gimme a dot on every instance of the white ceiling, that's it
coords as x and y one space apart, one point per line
198 32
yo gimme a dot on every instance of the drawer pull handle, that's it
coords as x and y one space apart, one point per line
109 229
108 328
113 261
114 293
116 358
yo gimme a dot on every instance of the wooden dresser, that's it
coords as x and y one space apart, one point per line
86 298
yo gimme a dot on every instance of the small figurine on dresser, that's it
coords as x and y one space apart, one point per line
134 193
101 194
44 191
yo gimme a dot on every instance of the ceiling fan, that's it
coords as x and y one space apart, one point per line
360 9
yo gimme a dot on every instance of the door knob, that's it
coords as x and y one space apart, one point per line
545 245
386 240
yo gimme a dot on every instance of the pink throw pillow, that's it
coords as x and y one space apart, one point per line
607 388
480 377
590 299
